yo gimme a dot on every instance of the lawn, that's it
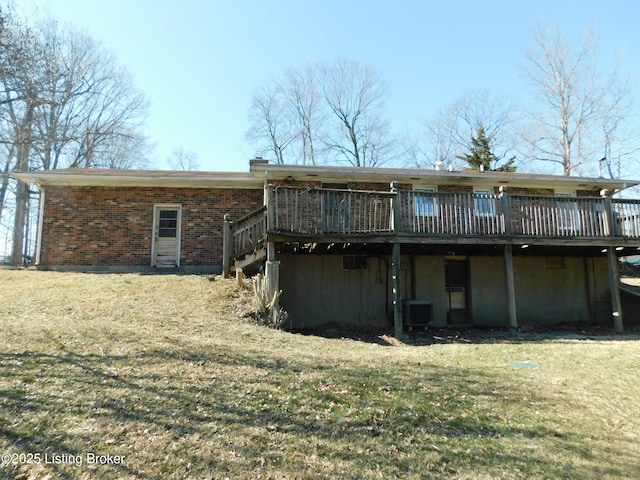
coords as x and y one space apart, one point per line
164 376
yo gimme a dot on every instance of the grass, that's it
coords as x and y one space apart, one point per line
167 372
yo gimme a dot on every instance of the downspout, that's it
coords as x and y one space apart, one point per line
386 287
414 290
41 204
589 279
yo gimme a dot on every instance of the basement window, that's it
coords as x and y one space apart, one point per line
554 263
353 262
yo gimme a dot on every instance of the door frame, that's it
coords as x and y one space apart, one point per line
156 224
466 289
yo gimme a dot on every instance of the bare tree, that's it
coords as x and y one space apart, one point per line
576 100
356 96
23 66
447 133
337 106
272 128
182 159
129 150
90 106
64 102
431 147
300 90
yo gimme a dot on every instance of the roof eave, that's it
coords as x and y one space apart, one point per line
101 178
415 175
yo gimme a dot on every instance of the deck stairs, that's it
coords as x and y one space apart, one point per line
251 259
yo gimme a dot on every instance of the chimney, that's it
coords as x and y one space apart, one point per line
258 161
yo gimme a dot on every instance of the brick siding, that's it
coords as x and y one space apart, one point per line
112 226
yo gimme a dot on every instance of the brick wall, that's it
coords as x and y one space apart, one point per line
103 226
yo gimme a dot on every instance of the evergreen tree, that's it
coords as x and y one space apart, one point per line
480 156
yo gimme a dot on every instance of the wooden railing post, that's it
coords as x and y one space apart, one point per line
227 246
395 208
609 224
270 202
506 209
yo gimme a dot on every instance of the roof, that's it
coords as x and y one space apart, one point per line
429 176
89 177
261 172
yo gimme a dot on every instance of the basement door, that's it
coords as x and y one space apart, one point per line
457 285
166 236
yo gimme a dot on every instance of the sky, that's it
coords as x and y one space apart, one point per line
199 61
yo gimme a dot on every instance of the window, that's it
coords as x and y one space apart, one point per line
425 203
568 214
353 262
554 263
336 207
484 203
168 223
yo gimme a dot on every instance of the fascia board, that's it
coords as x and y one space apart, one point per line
146 179
473 178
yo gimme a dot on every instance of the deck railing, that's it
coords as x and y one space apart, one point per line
317 212
324 211
626 215
248 231
557 216
451 213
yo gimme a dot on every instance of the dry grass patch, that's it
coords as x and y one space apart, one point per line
169 373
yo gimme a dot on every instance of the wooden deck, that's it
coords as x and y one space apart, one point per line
295 214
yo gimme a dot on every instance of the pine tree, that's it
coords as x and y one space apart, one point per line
480 156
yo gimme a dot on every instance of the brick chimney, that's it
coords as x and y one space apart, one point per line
257 161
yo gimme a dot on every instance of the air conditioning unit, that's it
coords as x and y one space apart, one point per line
416 314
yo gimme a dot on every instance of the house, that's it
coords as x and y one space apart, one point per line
367 247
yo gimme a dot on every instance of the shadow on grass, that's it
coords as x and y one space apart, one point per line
191 413
436 336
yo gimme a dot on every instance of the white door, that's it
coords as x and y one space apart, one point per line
166 236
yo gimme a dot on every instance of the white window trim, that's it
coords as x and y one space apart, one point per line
564 193
492 210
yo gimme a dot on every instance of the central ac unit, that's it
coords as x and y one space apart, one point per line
416 314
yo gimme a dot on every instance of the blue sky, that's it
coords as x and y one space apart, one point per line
199 61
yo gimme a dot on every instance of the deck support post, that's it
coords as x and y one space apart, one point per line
614 285
397 293
511 288
227 243
272 281
612 261
395 265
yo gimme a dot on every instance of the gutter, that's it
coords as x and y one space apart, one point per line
123 178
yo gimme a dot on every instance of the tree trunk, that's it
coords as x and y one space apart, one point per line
22 189
4 185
